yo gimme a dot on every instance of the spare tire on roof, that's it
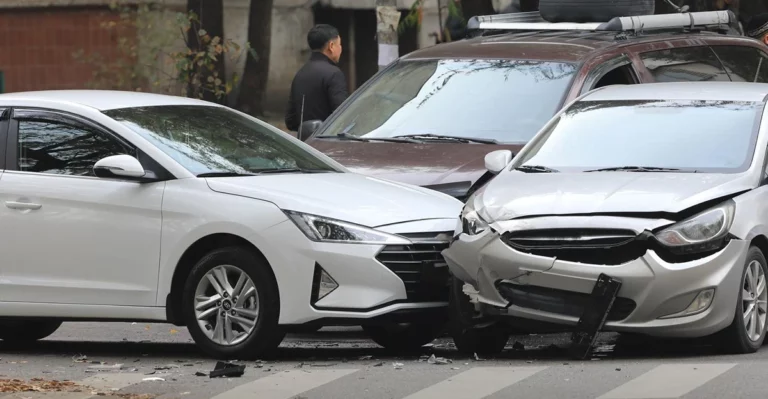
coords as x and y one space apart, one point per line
593 10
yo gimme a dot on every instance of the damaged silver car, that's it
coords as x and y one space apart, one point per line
660 187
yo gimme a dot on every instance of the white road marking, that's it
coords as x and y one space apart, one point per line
284 385
476 383
668 381
110 381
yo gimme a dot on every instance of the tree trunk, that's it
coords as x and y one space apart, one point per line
471 8
210 13
387 21
250 99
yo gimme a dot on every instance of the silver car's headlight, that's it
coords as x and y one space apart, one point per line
322 229
702 232
471 221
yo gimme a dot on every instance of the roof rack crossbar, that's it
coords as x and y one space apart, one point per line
724 21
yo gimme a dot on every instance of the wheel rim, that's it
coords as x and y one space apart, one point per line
226 314
754 298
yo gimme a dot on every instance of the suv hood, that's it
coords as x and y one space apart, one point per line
344 196
424 164
515 194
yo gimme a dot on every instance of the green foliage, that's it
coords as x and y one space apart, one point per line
414 16
153 54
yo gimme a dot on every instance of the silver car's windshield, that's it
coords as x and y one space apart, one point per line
647 136
215 140
501 100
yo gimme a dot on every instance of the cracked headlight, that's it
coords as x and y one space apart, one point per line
471 222
321 229
702 232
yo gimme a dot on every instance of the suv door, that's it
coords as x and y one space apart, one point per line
684 64
69 237
743 63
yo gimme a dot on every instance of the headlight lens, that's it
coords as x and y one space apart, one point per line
472 223
321 229
701 232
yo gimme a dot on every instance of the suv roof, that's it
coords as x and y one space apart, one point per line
568 46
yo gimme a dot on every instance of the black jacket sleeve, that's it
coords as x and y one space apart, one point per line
291 115
337 89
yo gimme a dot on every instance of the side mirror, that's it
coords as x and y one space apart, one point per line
308 128
496 161
119 166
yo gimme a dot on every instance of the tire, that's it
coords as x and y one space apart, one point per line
463 326
265 335
405 337
593 10
735 337
27 330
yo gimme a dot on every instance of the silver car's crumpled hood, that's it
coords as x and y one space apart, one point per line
514 194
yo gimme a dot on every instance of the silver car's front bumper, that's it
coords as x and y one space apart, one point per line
658 288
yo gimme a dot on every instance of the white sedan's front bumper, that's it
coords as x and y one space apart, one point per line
367 287
656 287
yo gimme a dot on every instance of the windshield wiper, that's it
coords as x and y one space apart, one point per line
634 169
440 137
345 136
536 169
224 174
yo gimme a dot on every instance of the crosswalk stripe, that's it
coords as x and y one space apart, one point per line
476 383
284 385
108 381
668 381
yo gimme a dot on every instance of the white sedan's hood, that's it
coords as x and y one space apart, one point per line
514 194
349 197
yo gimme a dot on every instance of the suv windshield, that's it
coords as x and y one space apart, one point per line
648 136
213 140
503 100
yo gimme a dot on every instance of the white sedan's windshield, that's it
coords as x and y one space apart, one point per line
701 136
503 100
217 140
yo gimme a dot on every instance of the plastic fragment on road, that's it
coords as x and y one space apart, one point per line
224 369
153 379
438 360
102 367
397 366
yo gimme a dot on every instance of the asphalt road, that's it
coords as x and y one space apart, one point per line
123 359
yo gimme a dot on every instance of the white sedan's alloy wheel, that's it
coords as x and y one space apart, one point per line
226 314
754 299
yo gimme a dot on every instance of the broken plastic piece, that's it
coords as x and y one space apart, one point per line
224 369
593 318
153 379
397 366
438 360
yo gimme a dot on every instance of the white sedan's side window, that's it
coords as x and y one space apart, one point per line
55 147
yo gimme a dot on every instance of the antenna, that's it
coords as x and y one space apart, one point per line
301 116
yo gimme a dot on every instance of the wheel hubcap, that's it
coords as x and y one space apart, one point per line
227 314
754 298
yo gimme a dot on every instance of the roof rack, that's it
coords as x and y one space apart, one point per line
721 21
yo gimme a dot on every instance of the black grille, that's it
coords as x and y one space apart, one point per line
559 301
420 265
592 246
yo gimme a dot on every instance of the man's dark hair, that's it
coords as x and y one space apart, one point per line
320 35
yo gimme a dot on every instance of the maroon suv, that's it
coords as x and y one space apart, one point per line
431 117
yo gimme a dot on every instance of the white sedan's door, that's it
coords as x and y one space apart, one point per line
67 236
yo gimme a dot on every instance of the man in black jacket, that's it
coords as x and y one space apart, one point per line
320 86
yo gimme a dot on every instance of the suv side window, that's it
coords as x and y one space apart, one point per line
58 147
744 64
684 64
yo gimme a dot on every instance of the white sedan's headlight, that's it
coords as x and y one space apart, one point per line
471 221
321 229
702 232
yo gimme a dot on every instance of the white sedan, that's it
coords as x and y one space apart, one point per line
129 206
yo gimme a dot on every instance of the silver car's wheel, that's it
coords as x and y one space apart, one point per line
747 331
226 305
754 299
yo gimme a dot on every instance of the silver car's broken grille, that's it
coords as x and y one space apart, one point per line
593 246
420 265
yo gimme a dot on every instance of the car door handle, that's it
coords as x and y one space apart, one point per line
22 206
